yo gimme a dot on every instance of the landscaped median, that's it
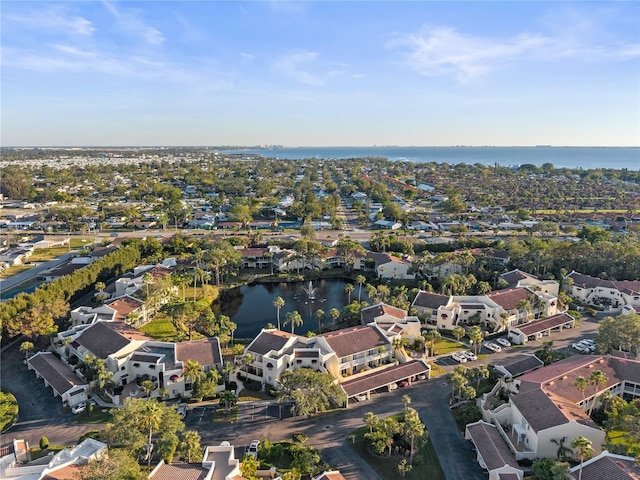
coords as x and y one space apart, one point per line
385 444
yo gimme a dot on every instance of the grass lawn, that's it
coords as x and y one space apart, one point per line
16 269
251 396
226 417
37 453
160 329
444 346
97 416
80 242
436 370
387 467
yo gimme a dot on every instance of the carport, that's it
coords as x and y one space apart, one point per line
540 328
65 384
384 378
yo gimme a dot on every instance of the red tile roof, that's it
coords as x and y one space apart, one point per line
124 306
509 298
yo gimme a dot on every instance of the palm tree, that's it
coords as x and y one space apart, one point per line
151 418
228 399
360 280
581 384
562 451
406 401
458 332
334 313
320 315
348 289
413 428
370 420
432 336
193 371
190 445
294 318
475 335
584 450
598 379
148 387
278 303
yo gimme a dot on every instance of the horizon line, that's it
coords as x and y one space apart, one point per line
282 146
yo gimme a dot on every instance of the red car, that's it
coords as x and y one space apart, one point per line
403 384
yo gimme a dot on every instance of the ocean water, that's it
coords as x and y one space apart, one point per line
561 157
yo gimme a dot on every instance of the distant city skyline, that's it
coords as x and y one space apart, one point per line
300 73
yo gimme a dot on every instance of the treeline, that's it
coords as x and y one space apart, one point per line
35 314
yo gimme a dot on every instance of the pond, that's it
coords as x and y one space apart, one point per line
251 307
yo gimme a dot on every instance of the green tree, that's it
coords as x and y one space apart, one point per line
228 400
582 447
458 332
309 391
413 429
598 379
193 372
293 318
581 384
190 448
360 280
118 464
26 347
278 303
371 420
475 335
549 469
249 467
148 387
348 289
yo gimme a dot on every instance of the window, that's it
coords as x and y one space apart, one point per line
187 386
152 367
136 365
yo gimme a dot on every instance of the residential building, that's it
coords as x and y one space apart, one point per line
611 295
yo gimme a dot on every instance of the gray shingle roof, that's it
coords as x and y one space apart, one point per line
206 351
57 374
349 341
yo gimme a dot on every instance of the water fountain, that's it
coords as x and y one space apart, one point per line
310 291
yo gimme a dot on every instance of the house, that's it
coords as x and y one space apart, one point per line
387 225
607 466
60 377
543 408
494 311
331 475
612 295
129 310
65 464
392 320
389 266
360 358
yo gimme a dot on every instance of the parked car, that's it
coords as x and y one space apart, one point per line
503 342
182 410
253 448
361 398
469 355
393 386
494 347
459 357
79 408
403 384
590 342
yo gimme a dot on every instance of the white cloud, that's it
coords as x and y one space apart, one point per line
300 64
129 21
53 19
444 51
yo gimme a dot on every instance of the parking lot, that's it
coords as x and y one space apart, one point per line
202 415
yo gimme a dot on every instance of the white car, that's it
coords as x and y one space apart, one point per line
494 347
503 341
79 408
361 398
459 357
590 342
393 386
469 355
253 448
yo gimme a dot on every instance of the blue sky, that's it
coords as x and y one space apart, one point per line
320 73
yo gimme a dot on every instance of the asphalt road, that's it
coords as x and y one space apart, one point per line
26 275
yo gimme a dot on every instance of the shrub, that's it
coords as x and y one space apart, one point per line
300 437
44 443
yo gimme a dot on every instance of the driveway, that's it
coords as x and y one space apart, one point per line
40 412
328 432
